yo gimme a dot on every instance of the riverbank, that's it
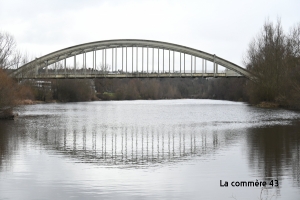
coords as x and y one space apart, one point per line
265 104
7 114
32 102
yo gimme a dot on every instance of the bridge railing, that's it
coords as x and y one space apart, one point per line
52 74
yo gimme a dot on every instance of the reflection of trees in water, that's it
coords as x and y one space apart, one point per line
274 151
9 143
133 145
4 144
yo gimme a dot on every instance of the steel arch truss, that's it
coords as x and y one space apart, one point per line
27 70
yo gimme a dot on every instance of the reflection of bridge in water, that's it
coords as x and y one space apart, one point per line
130 145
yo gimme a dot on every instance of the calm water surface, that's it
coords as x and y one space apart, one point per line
166 149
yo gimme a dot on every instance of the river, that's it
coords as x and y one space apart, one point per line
162 149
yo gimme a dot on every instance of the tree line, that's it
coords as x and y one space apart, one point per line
73 90
171 88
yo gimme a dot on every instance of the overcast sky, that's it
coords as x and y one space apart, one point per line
221 27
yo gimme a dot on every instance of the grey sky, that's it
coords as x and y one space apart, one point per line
224 28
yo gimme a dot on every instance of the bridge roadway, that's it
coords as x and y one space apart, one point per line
132 75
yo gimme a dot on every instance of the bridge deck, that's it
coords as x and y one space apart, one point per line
130 75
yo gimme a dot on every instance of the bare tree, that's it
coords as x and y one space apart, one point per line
7 51
294 67
274 57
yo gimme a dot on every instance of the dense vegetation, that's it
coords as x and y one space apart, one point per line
10 91
73 90
67 90
274 57
171 88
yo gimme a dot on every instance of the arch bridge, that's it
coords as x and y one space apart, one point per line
128 58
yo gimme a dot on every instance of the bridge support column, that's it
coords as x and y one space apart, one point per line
142 60
83 69
173 61
65 66
169 62
47 67
112 59
93 68
102 65
55 66
152 60
180 63
202 67
195 71
137 61
147 60
163 61
191 65
116 68
184 63
105 65
75 66
158 61
36 70
95 61
214 65
85 64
